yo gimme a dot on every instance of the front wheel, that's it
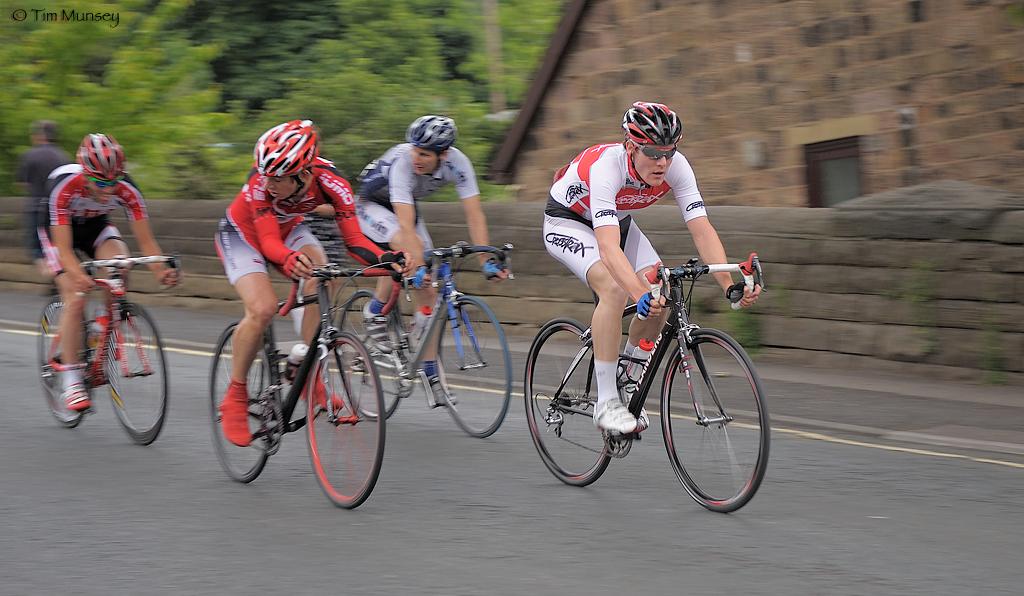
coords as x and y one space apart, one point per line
137 374
715 421
344 430
391 361
243 464
560 391
475 366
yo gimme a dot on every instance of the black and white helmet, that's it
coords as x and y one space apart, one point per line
648 123
435 133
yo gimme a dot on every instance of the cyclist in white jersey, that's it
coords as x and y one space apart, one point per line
389 188
586 229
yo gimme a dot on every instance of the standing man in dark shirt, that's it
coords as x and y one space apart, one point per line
33 168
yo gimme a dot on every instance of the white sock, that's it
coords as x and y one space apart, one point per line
71 377
605 373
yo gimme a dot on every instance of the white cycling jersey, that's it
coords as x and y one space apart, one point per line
600 182
392 179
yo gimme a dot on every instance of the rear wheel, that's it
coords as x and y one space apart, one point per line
475 366
243 464
560 392
137 374
346 438
715 421
49 332
390 364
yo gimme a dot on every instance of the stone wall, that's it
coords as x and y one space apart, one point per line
774 75
929 277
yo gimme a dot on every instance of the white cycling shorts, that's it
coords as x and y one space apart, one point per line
241 258
574 245
380 224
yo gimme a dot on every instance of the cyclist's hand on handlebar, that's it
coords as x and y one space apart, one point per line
297 265
739 292
649 306
421 277
80 282
494 270
167 276
399 260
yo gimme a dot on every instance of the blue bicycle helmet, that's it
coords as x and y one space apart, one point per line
435 133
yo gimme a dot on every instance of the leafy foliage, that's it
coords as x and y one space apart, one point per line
188 85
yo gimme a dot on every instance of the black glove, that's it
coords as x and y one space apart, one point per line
735 292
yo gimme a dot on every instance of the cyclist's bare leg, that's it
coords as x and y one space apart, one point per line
647 328
606 323
74 305
311 315
260 305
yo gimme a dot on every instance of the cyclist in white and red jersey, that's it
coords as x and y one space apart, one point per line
263 223
389 189
587 230
81 195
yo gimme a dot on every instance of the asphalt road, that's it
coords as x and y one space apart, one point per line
865 494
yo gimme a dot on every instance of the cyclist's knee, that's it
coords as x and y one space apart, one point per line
261 311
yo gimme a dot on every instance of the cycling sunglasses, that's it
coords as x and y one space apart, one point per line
654 153
100 182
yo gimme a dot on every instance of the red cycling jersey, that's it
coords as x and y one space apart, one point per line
70 198
265 221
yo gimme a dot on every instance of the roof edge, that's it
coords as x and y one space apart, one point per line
501 168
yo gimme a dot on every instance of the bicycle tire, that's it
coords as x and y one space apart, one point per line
253 458
334 435
147 353
482 402
49 327
582 457
350 318
724 369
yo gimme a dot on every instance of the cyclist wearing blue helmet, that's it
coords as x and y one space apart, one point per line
389 188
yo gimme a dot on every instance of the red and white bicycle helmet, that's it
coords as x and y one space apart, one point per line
287 149
652 124
101 156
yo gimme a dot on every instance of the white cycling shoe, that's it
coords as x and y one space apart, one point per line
613 417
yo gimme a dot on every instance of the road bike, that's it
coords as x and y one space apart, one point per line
714 418
121 349
474 363
345 432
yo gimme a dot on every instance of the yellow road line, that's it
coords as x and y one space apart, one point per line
813 436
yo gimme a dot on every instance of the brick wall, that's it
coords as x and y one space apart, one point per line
779 74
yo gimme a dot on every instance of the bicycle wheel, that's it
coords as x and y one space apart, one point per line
562 421
136 372
49 329
346 446
475 366
389 364
243 464
715 422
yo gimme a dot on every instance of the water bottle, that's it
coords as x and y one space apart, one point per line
295 358
630 371
643 353
94 330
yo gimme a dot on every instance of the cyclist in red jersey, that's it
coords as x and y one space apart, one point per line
587 229
81 196
263 223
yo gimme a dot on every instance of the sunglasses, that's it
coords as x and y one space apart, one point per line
101 183
656 154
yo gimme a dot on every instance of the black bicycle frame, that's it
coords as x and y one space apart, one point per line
298 384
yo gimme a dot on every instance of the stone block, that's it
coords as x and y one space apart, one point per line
1008 228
